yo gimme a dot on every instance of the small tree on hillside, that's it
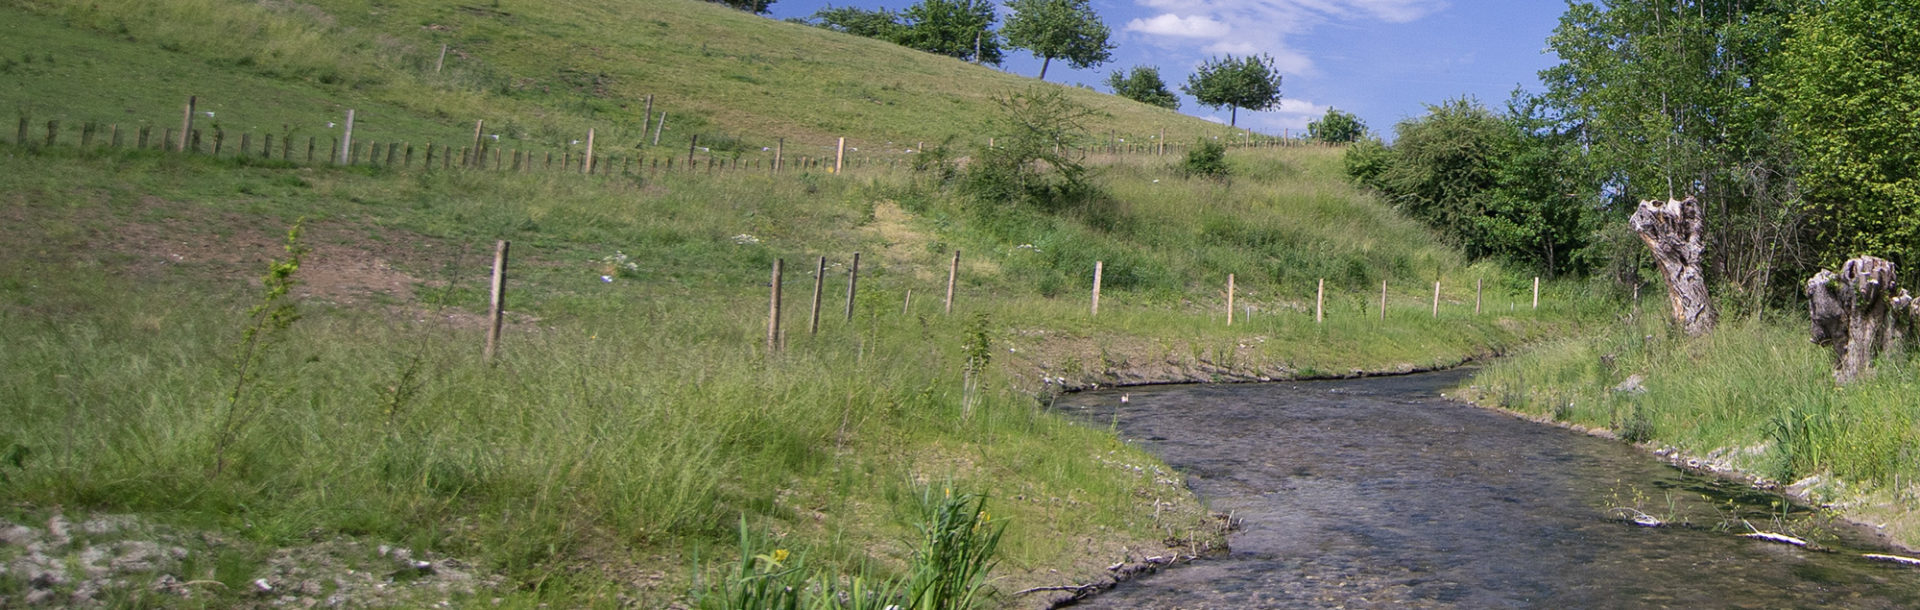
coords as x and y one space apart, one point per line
1249 82
1337 126
1143 84
882 24
955 28
757 7
1067 29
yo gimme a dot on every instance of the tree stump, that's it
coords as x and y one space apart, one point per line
1673 231
1850 312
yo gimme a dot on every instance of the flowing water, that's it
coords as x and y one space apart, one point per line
1378 493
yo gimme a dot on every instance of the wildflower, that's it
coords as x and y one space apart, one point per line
780 555
606 279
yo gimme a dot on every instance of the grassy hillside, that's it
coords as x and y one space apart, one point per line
539 73
636 420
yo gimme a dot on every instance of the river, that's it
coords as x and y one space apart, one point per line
1378 493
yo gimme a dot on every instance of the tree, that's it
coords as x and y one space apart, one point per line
882 24
955 28
1249 82
757 7
1337 126
1143 84
1066 29
1849 97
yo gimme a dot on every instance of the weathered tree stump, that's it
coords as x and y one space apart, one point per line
1850 312
1673 231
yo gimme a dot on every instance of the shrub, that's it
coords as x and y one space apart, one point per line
1207 160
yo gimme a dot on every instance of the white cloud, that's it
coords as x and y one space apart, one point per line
1245 27
1169 24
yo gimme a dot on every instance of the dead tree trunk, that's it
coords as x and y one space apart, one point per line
1850 312
1673 231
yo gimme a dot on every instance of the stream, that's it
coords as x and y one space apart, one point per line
1378 493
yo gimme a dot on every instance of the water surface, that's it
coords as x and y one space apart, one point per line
1378 493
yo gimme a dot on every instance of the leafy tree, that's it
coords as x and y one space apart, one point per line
1849 98
1066 29
1490 183
882 24
1143 84
1337 126
757 7
955 28
1669 99
1249 82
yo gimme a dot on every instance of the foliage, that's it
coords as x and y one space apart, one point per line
955 551
1033 159
1207 159
1142 84
1250 82
266 326
757 7
1485 181
1066 29
1337 126
1848 97
1669 99
879 23
961 29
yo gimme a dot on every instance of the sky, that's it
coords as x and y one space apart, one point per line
1384 60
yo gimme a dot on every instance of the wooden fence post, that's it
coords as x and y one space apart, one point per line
53 131
437 63
853 284
839 155
346 141
693 144
1098 268
1536 292
1383 300
661 128
478 124
907 304
246 143
646 117
779 152
819 282
497 305
773 310
1476 295
115 138
953 273
186 124
1320 302
1229 299
586 165
1436 300
20 138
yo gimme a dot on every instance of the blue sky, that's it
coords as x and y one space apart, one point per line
1381 59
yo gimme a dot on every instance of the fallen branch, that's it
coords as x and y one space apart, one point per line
1772 537
1076 589
1892 559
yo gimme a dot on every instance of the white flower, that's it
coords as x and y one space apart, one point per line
606 279
744 239
209 114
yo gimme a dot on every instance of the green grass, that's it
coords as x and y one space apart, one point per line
540 74
631 426
643 417
1755 392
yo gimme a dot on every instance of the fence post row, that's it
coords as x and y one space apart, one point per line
953 272
853 284
773 310
1098 267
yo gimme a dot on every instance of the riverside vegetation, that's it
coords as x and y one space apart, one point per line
635 441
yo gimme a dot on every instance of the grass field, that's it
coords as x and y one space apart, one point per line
635 417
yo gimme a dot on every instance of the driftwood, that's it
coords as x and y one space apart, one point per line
1850 312
1674 232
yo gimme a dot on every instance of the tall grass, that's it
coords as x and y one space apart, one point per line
1756 392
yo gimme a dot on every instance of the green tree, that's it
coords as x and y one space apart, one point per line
1249 82
956 28
1669 99
1492 184
1337 126
1142 84
757 7
1065 29
1850 99
882 24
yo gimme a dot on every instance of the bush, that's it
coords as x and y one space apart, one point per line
1207 160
